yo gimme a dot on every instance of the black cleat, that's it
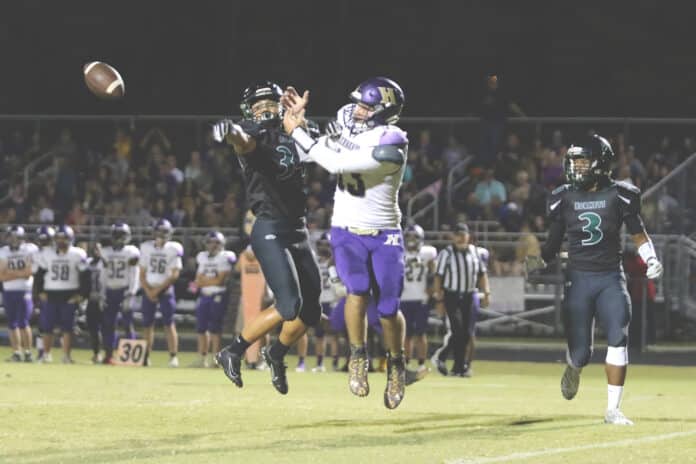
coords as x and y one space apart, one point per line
414 376
278 368
439 365
28 357
396 381
231 363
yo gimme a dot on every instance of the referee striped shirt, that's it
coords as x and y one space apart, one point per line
460 269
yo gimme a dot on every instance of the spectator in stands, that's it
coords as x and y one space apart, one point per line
173 171
490 193
429 167
494 108
530 196
76 216
45 213
509 160
637 170
193 169
154 137
552 169
123 145
19 202
454 153
65 146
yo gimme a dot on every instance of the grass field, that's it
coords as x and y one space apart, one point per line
508 412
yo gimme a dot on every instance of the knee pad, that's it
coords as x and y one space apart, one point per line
388 306
579 357
617 356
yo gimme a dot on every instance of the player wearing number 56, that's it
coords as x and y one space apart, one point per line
61 273
590 210
160 265
368 152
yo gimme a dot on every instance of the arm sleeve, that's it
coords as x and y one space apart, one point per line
629 199
336 162
554 240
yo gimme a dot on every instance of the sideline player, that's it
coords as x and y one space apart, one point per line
215 265
590 210
160 265
120 277
17 280
368 153
275 181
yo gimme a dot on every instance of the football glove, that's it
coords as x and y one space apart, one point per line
654 270
333 129
221 129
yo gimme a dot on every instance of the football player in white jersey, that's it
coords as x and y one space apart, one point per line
160 265
16 277
215 265
420 267
368 153
120 277
61 279
44 239
332 290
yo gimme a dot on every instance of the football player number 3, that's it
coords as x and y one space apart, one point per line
355 185
593 221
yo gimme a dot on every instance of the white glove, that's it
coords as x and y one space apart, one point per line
221 129
654 270
333 129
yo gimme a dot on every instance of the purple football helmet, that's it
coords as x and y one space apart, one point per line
44 235
385 99
120 234
64 236
163 229
15 236
214 241
414 236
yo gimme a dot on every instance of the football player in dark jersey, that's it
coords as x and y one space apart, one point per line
590 211
274 179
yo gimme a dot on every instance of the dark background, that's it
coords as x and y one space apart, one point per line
554 58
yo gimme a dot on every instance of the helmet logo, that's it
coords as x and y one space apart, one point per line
388 96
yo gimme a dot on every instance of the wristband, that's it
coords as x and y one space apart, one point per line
647 251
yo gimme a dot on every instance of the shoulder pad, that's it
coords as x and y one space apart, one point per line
560 189
231 256
176 246
626 187
393 136
79 251
389 154
200 256
428 253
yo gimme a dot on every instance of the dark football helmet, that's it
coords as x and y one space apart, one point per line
120 234
385 99
589 162
414 236
261 90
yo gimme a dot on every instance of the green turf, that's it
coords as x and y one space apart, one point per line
104 414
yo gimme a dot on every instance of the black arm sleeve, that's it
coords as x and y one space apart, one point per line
85 283
554 241
629 201
39 281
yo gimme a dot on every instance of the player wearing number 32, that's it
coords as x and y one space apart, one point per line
160 265
368 153
62 279
590 211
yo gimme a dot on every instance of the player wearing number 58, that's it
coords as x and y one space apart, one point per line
368 152
590 211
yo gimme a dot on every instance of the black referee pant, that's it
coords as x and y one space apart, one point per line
460 308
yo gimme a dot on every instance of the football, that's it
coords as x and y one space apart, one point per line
103 80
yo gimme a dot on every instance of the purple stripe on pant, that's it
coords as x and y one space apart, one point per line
53 313
210 311
18 308
166 303
367 263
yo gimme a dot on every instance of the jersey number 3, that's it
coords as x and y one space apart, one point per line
593 221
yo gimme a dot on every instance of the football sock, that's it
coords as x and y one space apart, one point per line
300 360
278 350
421 362
172 355
614 396
239 345
358 350
320 360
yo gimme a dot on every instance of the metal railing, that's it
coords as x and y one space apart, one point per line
456 178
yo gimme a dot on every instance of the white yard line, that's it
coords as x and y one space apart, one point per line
572 449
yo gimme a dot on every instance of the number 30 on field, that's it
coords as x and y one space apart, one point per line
131 352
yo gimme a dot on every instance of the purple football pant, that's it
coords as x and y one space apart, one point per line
210 311
371 263
52 314
337 320
18 308
167 305
416 315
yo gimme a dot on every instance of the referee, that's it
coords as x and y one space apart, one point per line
460 274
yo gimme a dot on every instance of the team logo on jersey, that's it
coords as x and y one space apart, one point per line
393 239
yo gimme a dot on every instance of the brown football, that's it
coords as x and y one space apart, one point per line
103 80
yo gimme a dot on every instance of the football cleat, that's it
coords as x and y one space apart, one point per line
616 417
278 368
319 369
396 381
439 365
46 358
300 367
173 361
570 382
67 360
15 358
357 372
231 364
415 376
28 357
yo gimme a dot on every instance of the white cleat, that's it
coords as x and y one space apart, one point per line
46 358
319 369
616 417
173 361
68 360
570 382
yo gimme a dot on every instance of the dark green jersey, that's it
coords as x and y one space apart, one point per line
273 173
592 222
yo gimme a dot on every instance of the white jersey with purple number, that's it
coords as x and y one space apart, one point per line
159 262
62 269
18 260
213 266
118 270
367 188
417 268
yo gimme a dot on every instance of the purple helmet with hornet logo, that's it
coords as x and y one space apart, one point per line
214 241
414 237
120 234
15 235
383 97
163 229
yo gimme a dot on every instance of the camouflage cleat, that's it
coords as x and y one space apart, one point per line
231 364
396 381
278 368
357 371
